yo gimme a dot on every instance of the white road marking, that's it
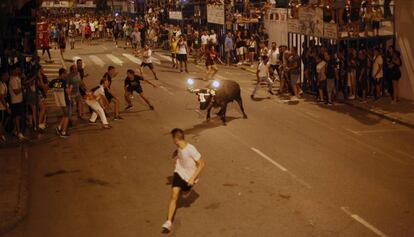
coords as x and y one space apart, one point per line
115 59
51 65
269 159
405 154
132 58
363 222
168 58
156 60
95 59
281 167
166 90
380 130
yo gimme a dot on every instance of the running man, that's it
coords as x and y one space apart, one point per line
133 83
147 61
188 168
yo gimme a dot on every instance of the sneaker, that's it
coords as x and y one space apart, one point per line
58 132
20 136
128 107
3 139
156 78
151 107
118 118
91 122
351 97
167 226
252 97
42 126
64 135
106 126
270 92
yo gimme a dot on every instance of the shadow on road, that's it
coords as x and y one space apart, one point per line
215 122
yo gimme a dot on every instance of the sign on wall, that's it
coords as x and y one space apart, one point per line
176 15
215 14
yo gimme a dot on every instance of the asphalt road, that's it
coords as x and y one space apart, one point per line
298 169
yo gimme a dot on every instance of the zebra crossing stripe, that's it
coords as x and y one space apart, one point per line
132 58
95 59
156 60
115 59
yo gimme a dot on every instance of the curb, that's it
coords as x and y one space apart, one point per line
382 115
23 199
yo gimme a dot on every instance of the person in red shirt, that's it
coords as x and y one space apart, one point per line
45 46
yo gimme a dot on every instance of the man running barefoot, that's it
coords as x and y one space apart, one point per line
188 168
133 83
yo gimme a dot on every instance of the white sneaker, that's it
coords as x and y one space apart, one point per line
167 226
20 136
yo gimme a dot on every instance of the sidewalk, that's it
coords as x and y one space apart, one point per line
14 171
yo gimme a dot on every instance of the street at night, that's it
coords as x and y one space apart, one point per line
115 140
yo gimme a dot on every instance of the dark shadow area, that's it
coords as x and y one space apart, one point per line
186 200
213 123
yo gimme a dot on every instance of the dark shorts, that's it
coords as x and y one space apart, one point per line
2 116
272 69
355 15
17 109
252 50
150 65
322 85
377 81
182 57
375 25
181 183
66 111
108 96
137 89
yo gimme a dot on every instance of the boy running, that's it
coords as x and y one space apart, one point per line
187 170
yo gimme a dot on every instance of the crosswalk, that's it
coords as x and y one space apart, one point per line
103 60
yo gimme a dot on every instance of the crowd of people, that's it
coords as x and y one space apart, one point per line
24 90
354 73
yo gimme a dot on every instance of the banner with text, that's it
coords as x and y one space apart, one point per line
215 14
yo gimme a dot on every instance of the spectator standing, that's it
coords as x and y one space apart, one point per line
352 63
294 72
61 91
394 72
4 106
321 72
74 80
362 75
196 47
228 48
377 72
274 61
16 99
330 77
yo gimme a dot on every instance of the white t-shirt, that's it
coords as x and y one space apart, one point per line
213 38
204 39
186 165
100 92
182 49
3 92
263 69
274 57
376 65
92 25
14 84
146 56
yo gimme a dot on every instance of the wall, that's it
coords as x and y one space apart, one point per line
404 14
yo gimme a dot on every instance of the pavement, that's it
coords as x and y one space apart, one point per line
290 169
14 164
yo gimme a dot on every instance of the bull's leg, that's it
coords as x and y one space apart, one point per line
223 113
208 113
240 102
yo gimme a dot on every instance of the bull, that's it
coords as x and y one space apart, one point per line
218 94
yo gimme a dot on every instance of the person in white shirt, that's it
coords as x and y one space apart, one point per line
17 106
263 76
204 41
94 99
377 72
4 107
182 53
188 168
213 38
274 61
147 61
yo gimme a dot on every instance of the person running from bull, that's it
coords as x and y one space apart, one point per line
188 168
